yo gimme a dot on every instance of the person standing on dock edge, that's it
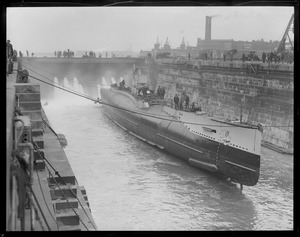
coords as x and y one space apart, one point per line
162 93
176 101
187 102
158 91
263 57
9 55
9 49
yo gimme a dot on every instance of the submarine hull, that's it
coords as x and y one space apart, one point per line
154 126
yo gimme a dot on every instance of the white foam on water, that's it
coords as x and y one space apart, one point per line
66 82
55 81
68 93
113 81
104 82
75 81
80 89
75 84
98 91
57 92
104 85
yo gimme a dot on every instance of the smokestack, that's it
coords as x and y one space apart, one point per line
208 28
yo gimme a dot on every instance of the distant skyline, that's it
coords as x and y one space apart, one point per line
120 28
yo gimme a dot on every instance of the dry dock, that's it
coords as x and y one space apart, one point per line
262 92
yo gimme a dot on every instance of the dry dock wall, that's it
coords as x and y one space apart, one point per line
63 202
264 93
88 71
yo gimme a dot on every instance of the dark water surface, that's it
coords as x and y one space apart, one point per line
134 186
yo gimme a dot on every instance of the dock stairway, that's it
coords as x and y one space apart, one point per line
68 203
28 102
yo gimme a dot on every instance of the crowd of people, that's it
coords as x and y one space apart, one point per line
21 54
284 57
71 54
273 56
178 103
269 57
91 54
183 103
65 54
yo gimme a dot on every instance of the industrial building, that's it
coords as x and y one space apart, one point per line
214 47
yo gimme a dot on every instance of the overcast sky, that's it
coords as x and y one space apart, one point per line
116 28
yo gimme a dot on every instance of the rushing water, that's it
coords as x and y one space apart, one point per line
134 186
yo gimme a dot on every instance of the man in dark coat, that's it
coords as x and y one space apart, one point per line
263 57
187 102
10 50
176 101
159 91
9 55
162 93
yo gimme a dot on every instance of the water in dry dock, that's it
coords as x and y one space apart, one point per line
134 186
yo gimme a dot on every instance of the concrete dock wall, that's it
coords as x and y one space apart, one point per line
63 202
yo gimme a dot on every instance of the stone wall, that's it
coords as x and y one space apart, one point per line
264 99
